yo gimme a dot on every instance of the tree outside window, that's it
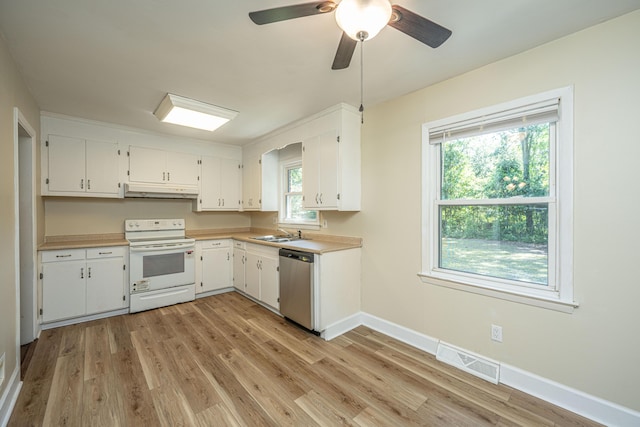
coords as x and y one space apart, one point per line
294 211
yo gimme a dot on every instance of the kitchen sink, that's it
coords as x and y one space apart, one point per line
275 239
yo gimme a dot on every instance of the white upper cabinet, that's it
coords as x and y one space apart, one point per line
156 166
219 184
260 180
330 162
251 180
81 167
320 169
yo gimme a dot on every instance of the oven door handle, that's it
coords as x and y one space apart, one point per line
162 248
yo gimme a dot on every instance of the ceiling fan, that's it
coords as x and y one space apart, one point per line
359 20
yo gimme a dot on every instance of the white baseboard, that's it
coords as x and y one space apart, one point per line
73 321
401 333
10 397
592 407
341 327
589 406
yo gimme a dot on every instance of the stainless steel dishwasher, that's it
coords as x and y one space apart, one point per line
296 287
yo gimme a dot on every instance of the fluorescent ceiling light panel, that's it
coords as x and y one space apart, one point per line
189 112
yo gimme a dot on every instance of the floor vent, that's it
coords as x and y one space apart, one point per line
471 363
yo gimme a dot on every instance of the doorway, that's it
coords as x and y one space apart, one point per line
26 250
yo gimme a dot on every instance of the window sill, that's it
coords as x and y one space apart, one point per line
287 225
536 301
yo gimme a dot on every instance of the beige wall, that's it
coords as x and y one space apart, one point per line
596 349
13 93
66 215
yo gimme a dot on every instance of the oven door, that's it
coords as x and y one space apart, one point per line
160 267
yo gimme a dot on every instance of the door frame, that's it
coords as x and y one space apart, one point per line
19 121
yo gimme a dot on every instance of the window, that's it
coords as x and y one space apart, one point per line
498 200
292 211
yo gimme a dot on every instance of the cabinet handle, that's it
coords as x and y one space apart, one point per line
168 176
82 184
105 253
320 198
88 184
317 199
222 202
89 272
218 202
228 258
63 256
164 176
243 259
82 273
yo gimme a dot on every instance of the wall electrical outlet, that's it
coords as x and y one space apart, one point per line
496 333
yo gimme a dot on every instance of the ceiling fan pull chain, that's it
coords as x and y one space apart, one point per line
361 109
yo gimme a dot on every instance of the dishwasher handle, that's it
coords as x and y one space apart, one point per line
296 255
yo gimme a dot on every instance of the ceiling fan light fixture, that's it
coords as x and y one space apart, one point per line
191 113
356 17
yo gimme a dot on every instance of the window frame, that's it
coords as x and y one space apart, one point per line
283 221
558 295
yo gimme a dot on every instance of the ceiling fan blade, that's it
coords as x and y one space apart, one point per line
421 29
344 53
283 13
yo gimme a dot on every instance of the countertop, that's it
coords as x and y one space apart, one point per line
314 243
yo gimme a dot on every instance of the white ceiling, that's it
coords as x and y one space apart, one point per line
113 61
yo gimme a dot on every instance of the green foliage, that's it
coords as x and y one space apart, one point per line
498 165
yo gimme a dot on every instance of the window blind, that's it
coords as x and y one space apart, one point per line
540 112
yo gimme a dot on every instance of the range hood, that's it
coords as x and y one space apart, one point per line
160 191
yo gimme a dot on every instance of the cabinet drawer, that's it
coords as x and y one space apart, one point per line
209 244
259 249
106 252
63 255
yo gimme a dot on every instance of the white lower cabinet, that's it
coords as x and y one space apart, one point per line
81 282
337 278
239 261
214 269
262 275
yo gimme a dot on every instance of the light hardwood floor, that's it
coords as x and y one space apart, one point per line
224 360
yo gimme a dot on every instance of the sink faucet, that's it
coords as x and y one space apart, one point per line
289 234
286 233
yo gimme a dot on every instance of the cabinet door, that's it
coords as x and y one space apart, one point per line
320 169
102 167
182 168
270 282
63 290
252 275
239 259
311 173
328 178
251 181
209 183
147 165
105 285
230 184
66 164
216 269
